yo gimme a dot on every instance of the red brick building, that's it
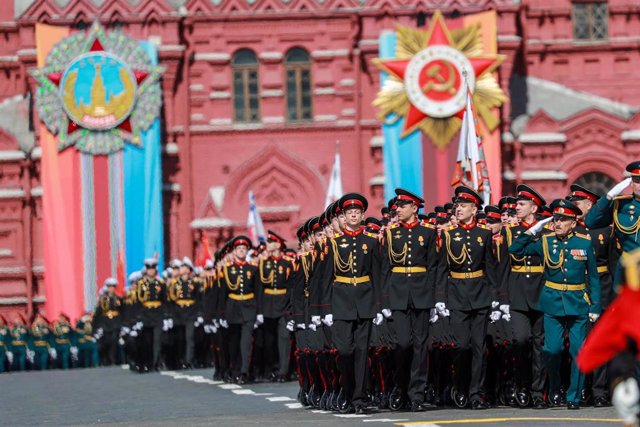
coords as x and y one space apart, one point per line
258 92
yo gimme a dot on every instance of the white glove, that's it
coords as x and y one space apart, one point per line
313 326
200 320
328 320
539 225
196 323
97 337
301 326
255 325
165 325
134 333
100 332
378 319
316 320
124 331
625 399
170 323
433 315
120 341
214 329
215 323
224 323
495 316
260 319
291 325
9 355
31 355
505 308
506 317
207 329
440 307
74 353
619 188
593 317
494 304
53 353
139 325
444 313
386 313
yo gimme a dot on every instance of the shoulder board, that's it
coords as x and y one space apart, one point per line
288 258
452 227
513 225
623 197
228 264
373 236
324 240
583 236
427 225
337 234
482 226
394 225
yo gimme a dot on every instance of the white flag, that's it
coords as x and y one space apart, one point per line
254 222
334 192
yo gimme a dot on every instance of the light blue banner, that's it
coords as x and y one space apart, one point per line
142 181
402 156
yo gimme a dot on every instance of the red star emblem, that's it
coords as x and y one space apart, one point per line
432 79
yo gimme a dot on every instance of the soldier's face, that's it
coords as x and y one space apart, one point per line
273 246
335 224
584 206
319 235
307 245
240 252
151 272
635 185
465 212
406 212
111 290
513 220
495 227
184 270
328 230
504 216
342 221
524 208
354 217
563 226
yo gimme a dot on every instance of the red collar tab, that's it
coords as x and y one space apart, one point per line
240 263
410 225
353 233
526 225
469 226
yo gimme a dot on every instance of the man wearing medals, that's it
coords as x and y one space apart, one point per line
352 281
570 297
108 321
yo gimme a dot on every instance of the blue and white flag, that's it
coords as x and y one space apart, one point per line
254 222
334 191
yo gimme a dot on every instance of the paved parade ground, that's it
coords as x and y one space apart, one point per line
117 396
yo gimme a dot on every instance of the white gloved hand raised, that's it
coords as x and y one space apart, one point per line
301 326
224 323
433 315
200 320
291 325
593 317
378 319
506 317
316 320
9 355
495 316
134 333
313 326
619 188
120 341
440 307
328 320
494 304
538 226
504 308
386 313
625 399
260 319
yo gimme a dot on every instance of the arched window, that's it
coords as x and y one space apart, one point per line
298 73
246 101
596 182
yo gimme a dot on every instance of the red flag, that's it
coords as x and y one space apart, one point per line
120 274
204 252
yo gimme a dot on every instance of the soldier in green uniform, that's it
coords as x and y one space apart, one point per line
6 355
605 249
621 210
87 342
408 271
42 343
65 342
275 273
570 297
19 343
108 321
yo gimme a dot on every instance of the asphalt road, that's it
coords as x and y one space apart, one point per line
115 396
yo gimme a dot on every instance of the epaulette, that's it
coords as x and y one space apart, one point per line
288 258
228 264
337 234
512 225
482 226
623 197
427 225
583 236
373 236
394 225
451 227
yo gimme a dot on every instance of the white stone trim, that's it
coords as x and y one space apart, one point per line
270 55
13 300
272 93
210 222
377 180
325 118
197 116
275 209
543 175
37 191
171 148
36 153
219 94
12 193
5 252
329 53
348 112
509 175
39 299
507 137
506 38
26 52
345 122
171 47
273 120
196 87
11 155
38 269
347 82
324 91
12 270
542 137
368 42
220 122
630 135
8 58
172 187
377 141
212 56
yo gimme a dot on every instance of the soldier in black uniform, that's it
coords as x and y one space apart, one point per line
601 239
152 299
275 273
470 286
352 279
185 308
108 321
507 206
242 306
523 280
130 312
408 282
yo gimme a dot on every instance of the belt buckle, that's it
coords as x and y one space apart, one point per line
467 275
565 287
407 270
353 281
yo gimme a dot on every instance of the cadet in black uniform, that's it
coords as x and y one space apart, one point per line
470 286
409 271
108 321
275 272
352 278
243 306
152 297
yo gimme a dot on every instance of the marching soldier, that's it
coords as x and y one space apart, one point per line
352 281
66 348
409 270
508 214
87 342
523 280
242 306
19 344
275 272
5 349
151 292
130 313
470 287
43 343
570 297
622 211
605 253
184 294
108 321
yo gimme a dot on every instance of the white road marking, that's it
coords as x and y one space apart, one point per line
351 416
280 399
263 394
320 411
293 405
125 366
388 420
243 391
229 386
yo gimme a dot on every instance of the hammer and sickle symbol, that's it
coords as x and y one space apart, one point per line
437 82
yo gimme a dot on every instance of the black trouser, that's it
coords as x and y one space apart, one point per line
277 341
351 339
528 340
240 337
151 339
410 329
109 347
470 329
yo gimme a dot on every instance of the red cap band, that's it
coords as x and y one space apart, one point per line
408 199
531 196
242 242
587 196
494 215
352 202
469 197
